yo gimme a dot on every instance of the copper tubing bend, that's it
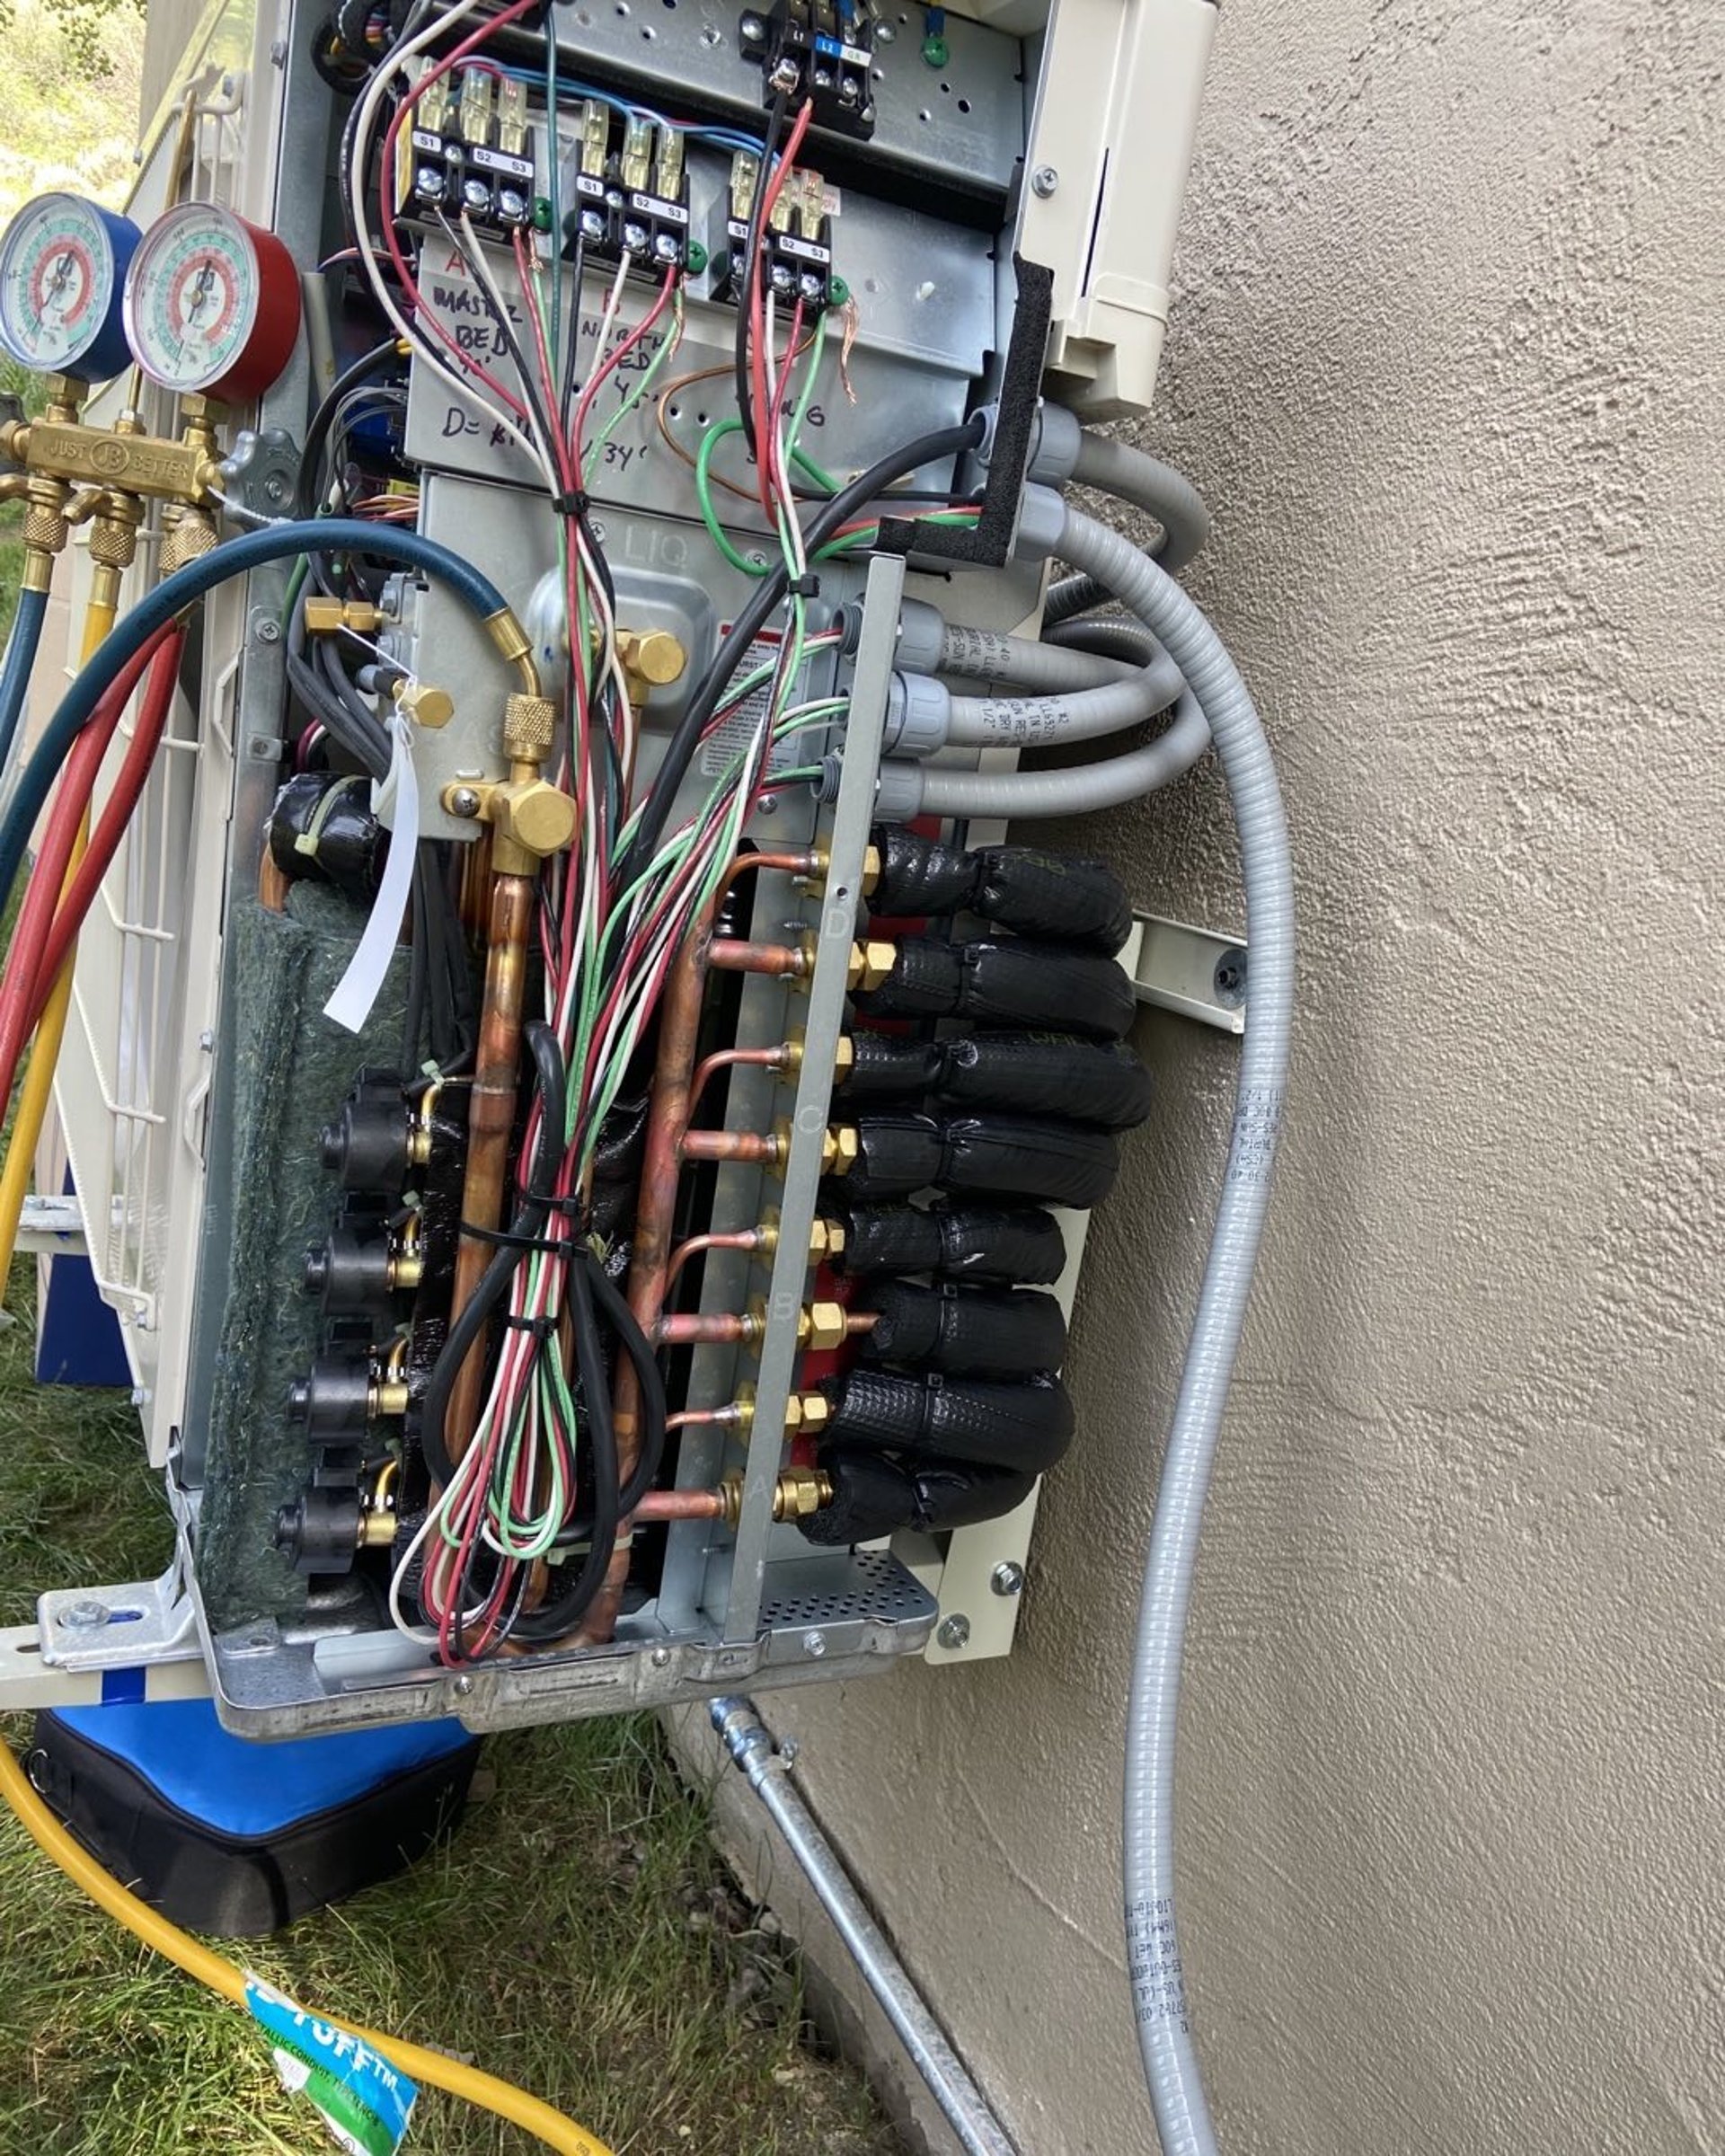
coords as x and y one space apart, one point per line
491 1117
745 1239
775 1059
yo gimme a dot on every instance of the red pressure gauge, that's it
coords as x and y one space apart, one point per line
212 304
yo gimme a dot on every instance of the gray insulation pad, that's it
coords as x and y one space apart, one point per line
294 1069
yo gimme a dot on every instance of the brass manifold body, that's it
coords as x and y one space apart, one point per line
70 473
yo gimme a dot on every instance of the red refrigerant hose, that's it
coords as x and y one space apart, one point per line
155 707
25 983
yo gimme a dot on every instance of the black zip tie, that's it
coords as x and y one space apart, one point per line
542 1329
806 586
576 503
501 1239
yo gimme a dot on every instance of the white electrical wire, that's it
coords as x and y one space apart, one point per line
365 121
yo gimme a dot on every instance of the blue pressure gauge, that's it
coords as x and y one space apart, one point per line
63 267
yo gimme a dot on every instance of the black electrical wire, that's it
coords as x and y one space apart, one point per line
639 1348
418 969
560 1615
308 495
745 286
526 1224
768 595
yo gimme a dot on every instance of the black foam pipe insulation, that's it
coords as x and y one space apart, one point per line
1025 1426
1008 981
985 1156
1010 1332
1098 1081
875 1495
966 1242
1030 891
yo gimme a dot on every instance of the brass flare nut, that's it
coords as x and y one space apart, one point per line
826 1240
387 1398
113 543
807 1414
844 1055
187 539
798 1493
869 965
529 727
46 530
821 1325
327 616
406 1268
839 1150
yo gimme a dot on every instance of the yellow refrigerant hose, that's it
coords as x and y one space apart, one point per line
430 2067
38 1091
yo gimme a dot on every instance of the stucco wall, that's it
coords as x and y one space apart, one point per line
1445 363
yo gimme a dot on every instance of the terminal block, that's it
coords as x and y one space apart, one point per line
470 152
797 246
632 197
811 50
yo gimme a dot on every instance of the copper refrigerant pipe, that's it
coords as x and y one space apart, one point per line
667 1122
780 1058
749 1240
731 956
681 1505
491 1118
760 1149
667 1116
726 1328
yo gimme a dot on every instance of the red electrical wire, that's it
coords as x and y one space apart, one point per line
24 972
754 298
465 360
155 708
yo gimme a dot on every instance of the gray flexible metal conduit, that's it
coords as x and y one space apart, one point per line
1021 662
1075 792
1081 715
1115 468
963 2104
1114 636
1153 1943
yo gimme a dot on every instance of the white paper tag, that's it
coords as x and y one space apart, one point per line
360 987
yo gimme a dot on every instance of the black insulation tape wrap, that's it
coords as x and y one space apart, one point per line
966 1242
883 1068
1008 982
988 1156
1014 1332
1025 1426
1025 888
1024 1074
873 1495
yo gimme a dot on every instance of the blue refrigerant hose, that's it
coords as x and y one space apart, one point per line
20 659
172 596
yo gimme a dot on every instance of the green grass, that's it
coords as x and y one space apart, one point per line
578 1936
